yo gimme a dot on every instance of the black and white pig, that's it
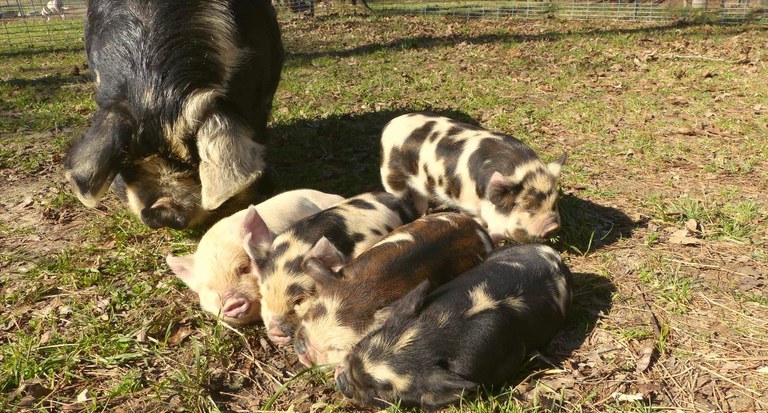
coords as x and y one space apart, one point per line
357 298
475 330
184 89
334 236
220 271
492 176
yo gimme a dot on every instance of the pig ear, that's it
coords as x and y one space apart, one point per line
411 303
555 166
499 187
447 387
230 160
257 238
93 161
320 273
327 253
382 315
182 267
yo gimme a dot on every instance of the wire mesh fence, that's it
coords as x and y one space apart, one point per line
719 11
40 25
32 25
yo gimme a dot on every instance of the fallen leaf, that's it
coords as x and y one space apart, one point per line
621 397
646 354
141 335
681 237
179 336
83 396
692 225
731 365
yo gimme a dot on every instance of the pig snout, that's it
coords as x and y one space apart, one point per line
301 349
280 333
235 306
300 346
163 213
545 226
342 383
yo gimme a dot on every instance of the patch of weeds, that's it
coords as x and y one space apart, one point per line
686 208
669 286
753 298
726 219
299 376
676 290
739 219
733 166
484 401
635 333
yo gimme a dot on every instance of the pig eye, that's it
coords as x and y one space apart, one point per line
243 269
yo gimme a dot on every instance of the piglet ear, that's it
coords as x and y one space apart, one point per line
230 160
320 273
445 387
327 253
257 238
500 187
183 268
411 303
555 166
93 161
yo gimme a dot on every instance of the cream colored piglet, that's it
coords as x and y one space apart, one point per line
220 271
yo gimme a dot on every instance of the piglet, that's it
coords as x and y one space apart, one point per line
357 298
220 271
333 236
475 330
494 177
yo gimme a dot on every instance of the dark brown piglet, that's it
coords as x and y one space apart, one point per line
356 298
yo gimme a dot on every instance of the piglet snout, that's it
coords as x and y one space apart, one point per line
550 230
279 333
341 382
300 346
235 306
545 225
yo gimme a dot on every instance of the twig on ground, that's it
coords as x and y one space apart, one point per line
704 58
737 384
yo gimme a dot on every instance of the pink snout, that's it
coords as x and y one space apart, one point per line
279 333
235 306
339 369
550 230
545 225
304 359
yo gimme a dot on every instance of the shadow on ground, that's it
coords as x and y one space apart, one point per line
338 154
429 42
587 226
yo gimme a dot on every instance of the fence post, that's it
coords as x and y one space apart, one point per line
636 9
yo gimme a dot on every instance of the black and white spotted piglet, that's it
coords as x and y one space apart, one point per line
475 330
491 176
336 235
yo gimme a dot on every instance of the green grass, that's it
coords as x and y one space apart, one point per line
89 305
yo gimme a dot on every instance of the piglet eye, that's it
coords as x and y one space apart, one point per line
244 269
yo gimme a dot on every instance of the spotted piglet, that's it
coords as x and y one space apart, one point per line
220 271
475 330
491 176
334 236
357 298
